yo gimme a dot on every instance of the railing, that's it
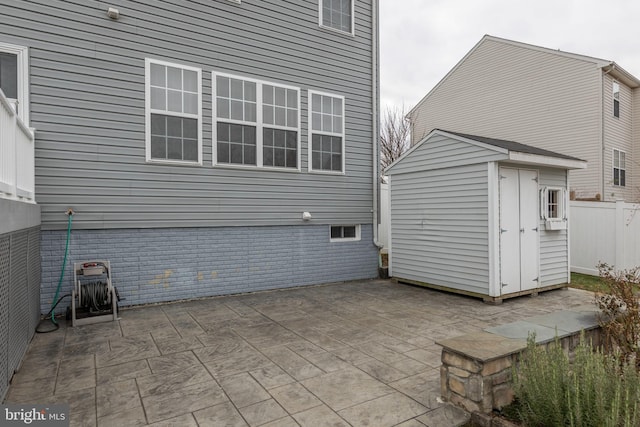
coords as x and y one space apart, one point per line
17 155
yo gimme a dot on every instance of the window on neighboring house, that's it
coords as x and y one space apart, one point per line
14 81
616 99
257 123
337 14
341 233
174 112
327 132
553 201
619 168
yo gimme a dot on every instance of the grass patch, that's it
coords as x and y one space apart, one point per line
588 283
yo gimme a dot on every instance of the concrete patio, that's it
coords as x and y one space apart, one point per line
357 353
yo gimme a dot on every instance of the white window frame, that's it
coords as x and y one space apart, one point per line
545 200
311 132
621 167
558 222
353 21
149 111
23 79
616 98
345 239
259 124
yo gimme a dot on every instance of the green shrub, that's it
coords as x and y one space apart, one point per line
592 390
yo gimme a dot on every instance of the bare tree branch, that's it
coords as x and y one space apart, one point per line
394 135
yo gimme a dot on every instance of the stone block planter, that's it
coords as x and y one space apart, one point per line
476 369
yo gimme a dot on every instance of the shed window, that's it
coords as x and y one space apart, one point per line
619 168
174 112
553 203
337 14
327 132
258 123
616 99
342 233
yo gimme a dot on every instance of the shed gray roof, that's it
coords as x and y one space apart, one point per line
512 146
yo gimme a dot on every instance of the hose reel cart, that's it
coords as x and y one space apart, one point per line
94 299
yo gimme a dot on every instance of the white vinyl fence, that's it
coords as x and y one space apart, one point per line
604 232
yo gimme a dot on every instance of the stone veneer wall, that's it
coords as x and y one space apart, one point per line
482 384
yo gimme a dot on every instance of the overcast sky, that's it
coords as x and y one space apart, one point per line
421 40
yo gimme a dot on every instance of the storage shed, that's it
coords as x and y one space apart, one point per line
480 216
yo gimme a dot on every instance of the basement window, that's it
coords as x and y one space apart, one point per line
345 233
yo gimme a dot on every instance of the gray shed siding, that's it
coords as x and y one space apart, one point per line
87 103
439 227
440 216
554 245
443 152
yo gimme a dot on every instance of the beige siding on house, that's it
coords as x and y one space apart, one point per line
536 97
618 134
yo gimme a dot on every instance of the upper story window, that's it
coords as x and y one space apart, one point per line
256 123
616 99
619 168
326 133
173 112
337 14
14 78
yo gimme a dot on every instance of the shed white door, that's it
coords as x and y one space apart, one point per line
519 251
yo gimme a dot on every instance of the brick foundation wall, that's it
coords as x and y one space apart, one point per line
155 265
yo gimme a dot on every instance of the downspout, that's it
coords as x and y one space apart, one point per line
375 94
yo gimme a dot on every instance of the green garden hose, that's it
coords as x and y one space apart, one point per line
64 265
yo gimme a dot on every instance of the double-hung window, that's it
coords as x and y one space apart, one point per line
337 14
14 81
173 113
619 168
256 123
616 99
326 133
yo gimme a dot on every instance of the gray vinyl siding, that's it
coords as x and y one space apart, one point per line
618 134
444 152
439 227
87 98
554 245
536 97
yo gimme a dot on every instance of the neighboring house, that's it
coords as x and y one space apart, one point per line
572 104
190 137
480 216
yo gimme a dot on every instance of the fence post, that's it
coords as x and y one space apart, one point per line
620 263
